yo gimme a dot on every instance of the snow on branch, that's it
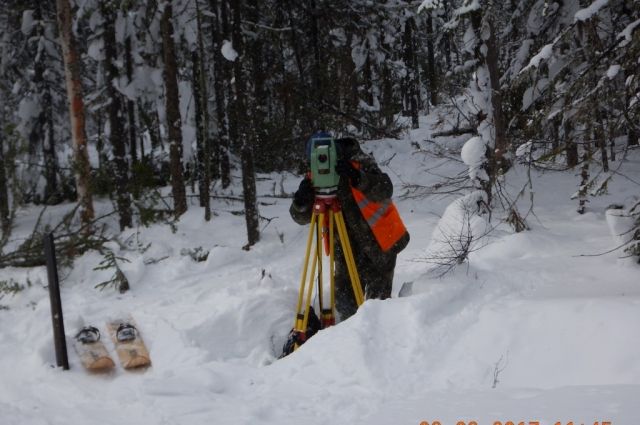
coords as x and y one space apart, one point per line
28 22
627 32
588 12
431 5
543 55
228 51
474 155
624 37
468 6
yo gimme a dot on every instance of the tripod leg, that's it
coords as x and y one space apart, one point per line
298 334
316 254
305 267
332 261
327 315
320 240
348 255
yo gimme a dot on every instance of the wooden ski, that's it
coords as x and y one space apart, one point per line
130 347
92 352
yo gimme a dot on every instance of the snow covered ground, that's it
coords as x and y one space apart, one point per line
535 327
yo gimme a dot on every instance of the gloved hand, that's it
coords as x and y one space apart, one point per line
347 170
305 193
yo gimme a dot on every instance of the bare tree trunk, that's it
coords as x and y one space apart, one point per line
43 131
318 65
600 141
632 134
555 133
150 121
259 114
387 96
223 114
199 118
446 40
491 60
293 38
431 63
76 110
632 137
218 90
486 55
570 145
51 192
612 143
5 219
252 217
172 104
116 130
584 175
411 89
131 105
202 120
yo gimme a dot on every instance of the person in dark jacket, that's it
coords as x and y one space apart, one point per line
377 235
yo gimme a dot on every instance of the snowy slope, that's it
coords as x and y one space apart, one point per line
530 329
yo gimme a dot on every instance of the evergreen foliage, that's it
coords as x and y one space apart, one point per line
179 91
119 279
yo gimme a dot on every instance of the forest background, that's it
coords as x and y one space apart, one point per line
180 93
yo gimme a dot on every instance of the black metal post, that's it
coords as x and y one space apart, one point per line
56 304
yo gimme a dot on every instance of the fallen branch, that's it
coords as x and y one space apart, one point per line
69 242
455 132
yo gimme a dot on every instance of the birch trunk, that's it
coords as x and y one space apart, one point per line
76 110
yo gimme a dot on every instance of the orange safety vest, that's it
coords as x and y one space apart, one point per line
383 218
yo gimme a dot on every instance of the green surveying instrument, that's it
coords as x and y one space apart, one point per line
326 219
323 159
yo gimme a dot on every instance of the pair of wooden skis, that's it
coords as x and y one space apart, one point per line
127 341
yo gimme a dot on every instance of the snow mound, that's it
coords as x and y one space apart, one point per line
533 325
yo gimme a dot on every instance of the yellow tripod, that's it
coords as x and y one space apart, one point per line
326 216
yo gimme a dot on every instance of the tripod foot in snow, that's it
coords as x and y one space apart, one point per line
296 337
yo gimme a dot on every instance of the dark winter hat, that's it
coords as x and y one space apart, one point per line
347 147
